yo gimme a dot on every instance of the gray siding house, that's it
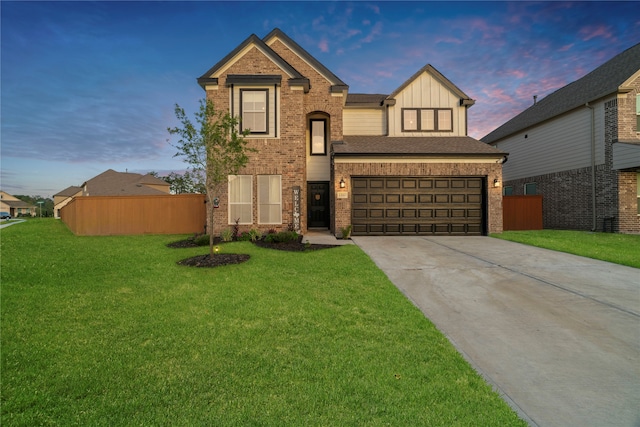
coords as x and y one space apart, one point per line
579 148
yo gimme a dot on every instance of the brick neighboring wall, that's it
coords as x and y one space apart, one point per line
567 195
489 170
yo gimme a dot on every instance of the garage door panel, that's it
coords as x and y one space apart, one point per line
409 198
417 205
393 198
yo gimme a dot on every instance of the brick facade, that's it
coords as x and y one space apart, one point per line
286 154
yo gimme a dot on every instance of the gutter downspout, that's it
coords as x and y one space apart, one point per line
594 224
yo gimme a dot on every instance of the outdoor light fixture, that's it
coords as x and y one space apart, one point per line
496 182
342 183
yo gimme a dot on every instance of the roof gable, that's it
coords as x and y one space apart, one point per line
337 84
211 76
609 78
464 98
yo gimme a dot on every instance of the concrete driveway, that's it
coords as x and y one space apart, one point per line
558 335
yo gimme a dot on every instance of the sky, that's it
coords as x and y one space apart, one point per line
91 86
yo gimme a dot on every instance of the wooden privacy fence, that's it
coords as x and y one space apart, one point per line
111 215
522 212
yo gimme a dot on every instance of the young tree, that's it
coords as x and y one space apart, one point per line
213 147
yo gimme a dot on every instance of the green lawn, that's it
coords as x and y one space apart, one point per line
110 331
617 248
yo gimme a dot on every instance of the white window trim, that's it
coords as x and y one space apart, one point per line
269 203
265 92
232 218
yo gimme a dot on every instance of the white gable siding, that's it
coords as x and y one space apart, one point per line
427 92
561 144
363 121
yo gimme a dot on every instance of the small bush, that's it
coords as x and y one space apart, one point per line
281 237
244 237
226 235
201 240
254 234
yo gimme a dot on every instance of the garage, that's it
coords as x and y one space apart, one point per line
385 205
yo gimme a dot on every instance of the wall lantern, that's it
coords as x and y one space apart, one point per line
342 183
496 182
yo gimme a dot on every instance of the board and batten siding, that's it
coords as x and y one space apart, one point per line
427 92
561 144
364 121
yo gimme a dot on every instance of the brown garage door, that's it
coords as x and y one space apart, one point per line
413 205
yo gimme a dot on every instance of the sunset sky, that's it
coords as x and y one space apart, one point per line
87 87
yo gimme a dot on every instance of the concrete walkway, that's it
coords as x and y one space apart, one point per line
558 335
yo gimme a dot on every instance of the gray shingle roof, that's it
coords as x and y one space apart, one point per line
112 183
413 146
603 81
365 99
69 191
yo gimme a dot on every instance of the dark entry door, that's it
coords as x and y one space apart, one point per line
318 204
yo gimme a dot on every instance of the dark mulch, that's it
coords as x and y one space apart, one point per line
214 261
227 259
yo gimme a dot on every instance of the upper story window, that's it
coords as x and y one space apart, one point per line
318 137
255 110
427 120
638 113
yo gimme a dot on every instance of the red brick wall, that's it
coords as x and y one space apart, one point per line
285 155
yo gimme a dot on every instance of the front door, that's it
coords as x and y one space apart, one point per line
318 204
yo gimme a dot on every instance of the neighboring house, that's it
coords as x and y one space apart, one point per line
62 198
384 164
15 206
112 183
580 149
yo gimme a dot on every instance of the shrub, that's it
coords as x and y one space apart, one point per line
201 240
254 234
226 235
282 237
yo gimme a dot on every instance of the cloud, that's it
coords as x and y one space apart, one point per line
591 31
323 45
376 30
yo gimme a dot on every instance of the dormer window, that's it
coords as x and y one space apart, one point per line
255 111
427 120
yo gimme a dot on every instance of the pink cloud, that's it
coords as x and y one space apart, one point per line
323 45
566 47
592 31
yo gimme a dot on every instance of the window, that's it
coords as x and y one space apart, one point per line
240 199
507 191
427 119
254 110
530 188
269 199
318 137
637 113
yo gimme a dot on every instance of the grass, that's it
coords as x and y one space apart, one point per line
617 248
110 331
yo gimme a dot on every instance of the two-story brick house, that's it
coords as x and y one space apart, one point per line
385 164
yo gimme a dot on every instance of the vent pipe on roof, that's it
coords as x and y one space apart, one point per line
535 99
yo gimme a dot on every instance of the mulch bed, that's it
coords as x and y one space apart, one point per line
228 259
